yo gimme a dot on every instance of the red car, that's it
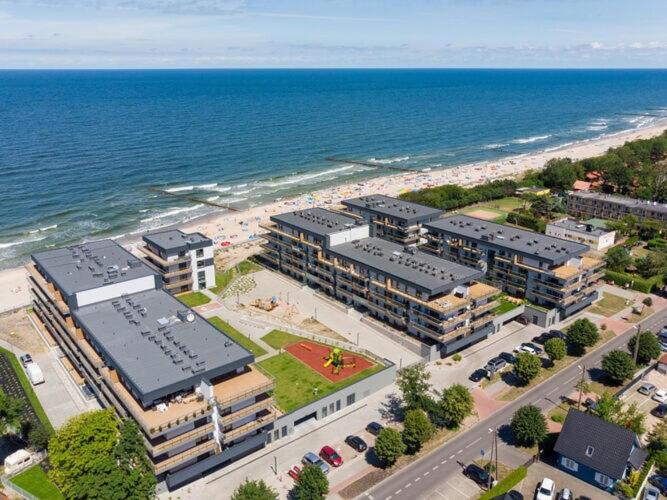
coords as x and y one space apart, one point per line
328 454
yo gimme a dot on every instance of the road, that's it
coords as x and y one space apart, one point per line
424 477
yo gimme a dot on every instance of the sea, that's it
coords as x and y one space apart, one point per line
83 152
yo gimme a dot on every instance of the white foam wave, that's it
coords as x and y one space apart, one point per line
245 191
235 200
20 242
560 146
528 140
41 229
171 213
212 198
207 186
241 185
389 161
221 189
494 146
180 188
296 179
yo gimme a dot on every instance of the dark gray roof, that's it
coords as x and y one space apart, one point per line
317 221
173 241
394 208
529 243
621 200
424 271
580 227
148 339
612 444
90 265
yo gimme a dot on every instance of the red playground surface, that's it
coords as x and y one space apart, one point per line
315 356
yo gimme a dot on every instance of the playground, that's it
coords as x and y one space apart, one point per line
332 363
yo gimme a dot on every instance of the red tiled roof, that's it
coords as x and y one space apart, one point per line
581 186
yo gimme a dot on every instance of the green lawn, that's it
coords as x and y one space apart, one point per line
224 278
297 385
35 481
609 305
27 387
238 337
194 299
502 207
505 306
279 339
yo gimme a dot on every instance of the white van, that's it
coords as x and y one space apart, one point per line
18 460
34 373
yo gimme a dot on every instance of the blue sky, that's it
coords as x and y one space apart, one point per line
334 33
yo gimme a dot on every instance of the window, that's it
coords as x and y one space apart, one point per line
351 398
276 435
589 451
338 405
283 431
603 480
200 252
325 412
331 408
569 464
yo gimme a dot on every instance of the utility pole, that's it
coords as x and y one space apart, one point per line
637 344
496 442
488 465
581 385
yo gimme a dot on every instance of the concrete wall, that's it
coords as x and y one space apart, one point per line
115 290
499 321
332 403
354 233
540 317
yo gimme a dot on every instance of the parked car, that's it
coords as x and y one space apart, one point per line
660 411
551 334
311 459
374 428
660 396
663 346
34 373
565 494
525 348
507 356
651 493
495 364
478 375
25 359
477 474
294 472
590 404
545 490
557 334
659 482
330 456
646 389
538 350
356 443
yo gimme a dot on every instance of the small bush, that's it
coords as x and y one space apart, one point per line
648 301
558 418
457 357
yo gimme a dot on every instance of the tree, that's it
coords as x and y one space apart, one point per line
311 484
649 229
652 264
529 425
555 348
38 436
559 174
389 446
94 455
527 367
456 403
582 334
618 365
657 444
413 382
417 429
649 347
545 206
615 173
254 490
608 408
618 258
11 410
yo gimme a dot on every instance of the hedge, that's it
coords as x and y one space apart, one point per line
657 244
526 220
506 484
645 285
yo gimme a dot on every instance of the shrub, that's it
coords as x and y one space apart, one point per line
457 357
456 404
582 334
529 425
389 446
558 418
618 365
254 490
527 367
311 484
649 347
644 285
555 349
506 484
648 301
527 220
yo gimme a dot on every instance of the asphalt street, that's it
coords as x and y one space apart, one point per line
426 477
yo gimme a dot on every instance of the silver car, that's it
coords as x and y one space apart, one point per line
646 389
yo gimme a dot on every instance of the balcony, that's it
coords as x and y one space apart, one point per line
292 268
385 311
172 462
485 307
163 262
230 418
241 387
253 425
481 291
178 284
273 228
158 449
48 289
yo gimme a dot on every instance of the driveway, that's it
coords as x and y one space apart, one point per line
540 470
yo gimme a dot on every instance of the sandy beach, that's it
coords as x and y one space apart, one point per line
230 229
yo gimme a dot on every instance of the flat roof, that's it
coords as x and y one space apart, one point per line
422 270
622 200
317 221
579 227
157 344
90 265
529 243
174 240
395 208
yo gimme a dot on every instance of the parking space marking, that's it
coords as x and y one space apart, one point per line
475 441
550 393
397 492
408 485
459 452
426 473
443 462
452 457
571 379
388 498
455 488
434 467
440 493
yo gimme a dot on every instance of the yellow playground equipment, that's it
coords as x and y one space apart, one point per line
337 362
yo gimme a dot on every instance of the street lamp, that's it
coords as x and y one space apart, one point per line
581 384
637 344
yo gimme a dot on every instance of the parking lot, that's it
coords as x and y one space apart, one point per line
644 402
579 488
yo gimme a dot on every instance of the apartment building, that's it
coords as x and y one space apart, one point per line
197 397
573 230
553 274
185 261
436 300
392 219
587 204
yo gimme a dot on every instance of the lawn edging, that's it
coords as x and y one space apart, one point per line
27 388
506 484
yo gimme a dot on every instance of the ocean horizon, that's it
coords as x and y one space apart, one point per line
81 149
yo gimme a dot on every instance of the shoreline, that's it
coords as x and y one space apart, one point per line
241 227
